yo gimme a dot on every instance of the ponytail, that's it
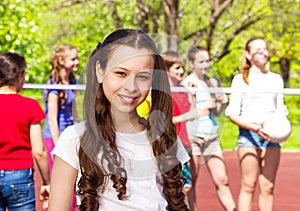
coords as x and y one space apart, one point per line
246 64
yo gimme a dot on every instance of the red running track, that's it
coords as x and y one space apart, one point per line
287 190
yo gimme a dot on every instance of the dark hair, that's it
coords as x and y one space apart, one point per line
95 50
12 69
246 64
59 52
99 137
193 50
172 57
191 56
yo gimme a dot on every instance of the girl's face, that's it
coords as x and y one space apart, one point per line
127 78
71 61
258 53
176 72
201 64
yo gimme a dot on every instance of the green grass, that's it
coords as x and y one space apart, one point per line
228 131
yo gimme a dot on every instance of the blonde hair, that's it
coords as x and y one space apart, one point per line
62 51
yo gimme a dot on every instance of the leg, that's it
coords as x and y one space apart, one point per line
194 167
196 145
270 162
250 168
217 170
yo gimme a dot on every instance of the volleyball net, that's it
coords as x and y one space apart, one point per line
226 90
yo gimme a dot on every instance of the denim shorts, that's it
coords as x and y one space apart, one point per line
17 190
249 138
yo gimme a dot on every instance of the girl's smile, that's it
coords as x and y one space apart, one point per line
127 99
127 78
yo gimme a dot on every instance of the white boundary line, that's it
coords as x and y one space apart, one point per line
286 91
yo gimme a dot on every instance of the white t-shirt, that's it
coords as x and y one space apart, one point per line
144 190
206 125
253 106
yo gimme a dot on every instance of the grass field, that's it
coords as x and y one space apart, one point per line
228 131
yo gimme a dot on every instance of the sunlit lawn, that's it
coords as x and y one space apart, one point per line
228 131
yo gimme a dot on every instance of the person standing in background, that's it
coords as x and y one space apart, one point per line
258 157
21 140
183 110
59 103
203 131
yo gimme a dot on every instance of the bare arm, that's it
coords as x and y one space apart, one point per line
220 99
40 156
62 185
194 113
52 116
220 105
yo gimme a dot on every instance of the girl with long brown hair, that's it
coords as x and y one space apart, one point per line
122 161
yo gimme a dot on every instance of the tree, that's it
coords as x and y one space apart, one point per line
222 26
284 34
19 32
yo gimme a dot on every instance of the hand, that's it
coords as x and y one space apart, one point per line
193 102
262 133
192 84
44 195
219 97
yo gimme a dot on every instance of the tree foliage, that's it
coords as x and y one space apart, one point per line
35 28
19 32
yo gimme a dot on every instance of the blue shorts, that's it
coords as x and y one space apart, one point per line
249 138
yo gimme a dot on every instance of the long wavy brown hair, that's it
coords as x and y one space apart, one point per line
98 143
246 64
59 52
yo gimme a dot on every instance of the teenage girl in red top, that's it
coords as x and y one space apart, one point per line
20 139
